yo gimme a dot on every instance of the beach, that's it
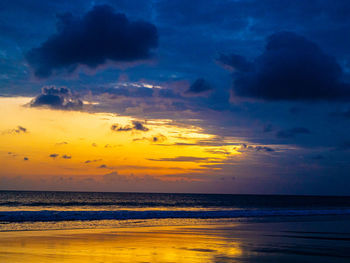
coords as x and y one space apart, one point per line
167 228
301 239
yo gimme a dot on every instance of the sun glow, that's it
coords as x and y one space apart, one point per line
76 143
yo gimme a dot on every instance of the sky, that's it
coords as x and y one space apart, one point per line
231 96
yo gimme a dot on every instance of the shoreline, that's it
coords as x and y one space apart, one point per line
165 222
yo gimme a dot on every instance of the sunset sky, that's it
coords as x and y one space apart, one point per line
231 96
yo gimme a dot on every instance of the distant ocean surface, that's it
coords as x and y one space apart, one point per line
25 207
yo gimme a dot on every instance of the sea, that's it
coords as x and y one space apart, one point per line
40 210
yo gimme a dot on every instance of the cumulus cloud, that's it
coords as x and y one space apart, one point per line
136 125
291 133
91 40
57 98
291 68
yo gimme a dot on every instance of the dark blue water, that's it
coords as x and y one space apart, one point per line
18 206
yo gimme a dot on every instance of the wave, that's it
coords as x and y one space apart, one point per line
64 204
55 216
116 204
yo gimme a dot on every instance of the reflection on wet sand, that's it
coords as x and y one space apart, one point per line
154 244
309 241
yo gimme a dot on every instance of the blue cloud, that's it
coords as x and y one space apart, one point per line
98 36
290 68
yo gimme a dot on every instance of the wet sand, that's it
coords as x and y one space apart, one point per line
326 240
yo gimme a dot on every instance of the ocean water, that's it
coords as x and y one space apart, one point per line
26 210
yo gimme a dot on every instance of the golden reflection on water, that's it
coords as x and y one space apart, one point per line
144 244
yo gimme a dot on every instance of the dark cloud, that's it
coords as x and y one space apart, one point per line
291 68
236 62
57 98
199 86
102 166
159 138
136 125
254 148
18 130
291 133
154 139
263 148
54 155
93 161
66 156
118 128
91 40
25 158
139 126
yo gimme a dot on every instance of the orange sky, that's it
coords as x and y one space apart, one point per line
74 144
